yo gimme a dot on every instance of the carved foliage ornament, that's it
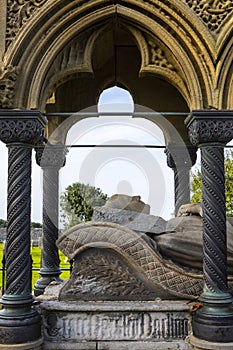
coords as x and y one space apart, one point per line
206 131
158 57
18 13
213 12
16 130
8 77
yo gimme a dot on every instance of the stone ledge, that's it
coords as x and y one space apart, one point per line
36 345
182 345
200 344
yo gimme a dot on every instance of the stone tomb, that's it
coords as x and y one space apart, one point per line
116 325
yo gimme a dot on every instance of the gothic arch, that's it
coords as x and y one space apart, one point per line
178 25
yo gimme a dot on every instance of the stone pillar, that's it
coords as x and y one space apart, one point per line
180 159
19 322
51 158
211 130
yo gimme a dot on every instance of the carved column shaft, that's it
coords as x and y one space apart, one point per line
19 323
211 130
50 256
214 219
17 249
51 158
180 160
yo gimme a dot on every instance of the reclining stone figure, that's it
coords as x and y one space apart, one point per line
127 254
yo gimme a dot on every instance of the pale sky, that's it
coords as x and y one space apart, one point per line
132 171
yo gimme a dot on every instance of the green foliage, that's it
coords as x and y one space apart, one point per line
36 258
78 202
3 223
196 187
36 225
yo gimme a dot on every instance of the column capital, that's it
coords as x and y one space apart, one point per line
210 126
181 156
51 156
23 126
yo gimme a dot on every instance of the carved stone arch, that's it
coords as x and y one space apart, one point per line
225 79
53 35
157 59
224 74
74 61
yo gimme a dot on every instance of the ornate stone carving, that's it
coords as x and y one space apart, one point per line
158 57
214 219
103 280
69 323
161 278
213 13
18 264
210 126
18 13
8 76
18 130
51 156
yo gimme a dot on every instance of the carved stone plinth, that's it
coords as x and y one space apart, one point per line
51 158
19 322
211 130
115 325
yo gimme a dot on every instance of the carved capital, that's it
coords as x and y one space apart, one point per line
51 156
210 127
180 157
22 126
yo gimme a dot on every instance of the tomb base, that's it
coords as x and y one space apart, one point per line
123 325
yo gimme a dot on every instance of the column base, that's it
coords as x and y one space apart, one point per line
200 344
36 345
214 328
19 329
45 279
214 320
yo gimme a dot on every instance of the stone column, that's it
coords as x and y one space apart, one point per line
51 158
211 130
180 159
19 322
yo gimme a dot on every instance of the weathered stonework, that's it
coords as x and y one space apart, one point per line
65 323
8 76
18 13
212 13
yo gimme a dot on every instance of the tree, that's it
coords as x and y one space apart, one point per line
196 187
3 223
78 202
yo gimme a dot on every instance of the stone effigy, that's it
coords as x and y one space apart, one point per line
129 255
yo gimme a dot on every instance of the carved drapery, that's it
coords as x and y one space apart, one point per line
51 158
211 130
20 130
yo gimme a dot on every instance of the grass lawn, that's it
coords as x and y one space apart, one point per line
36 257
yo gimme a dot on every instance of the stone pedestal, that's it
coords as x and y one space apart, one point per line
116 325
200 344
